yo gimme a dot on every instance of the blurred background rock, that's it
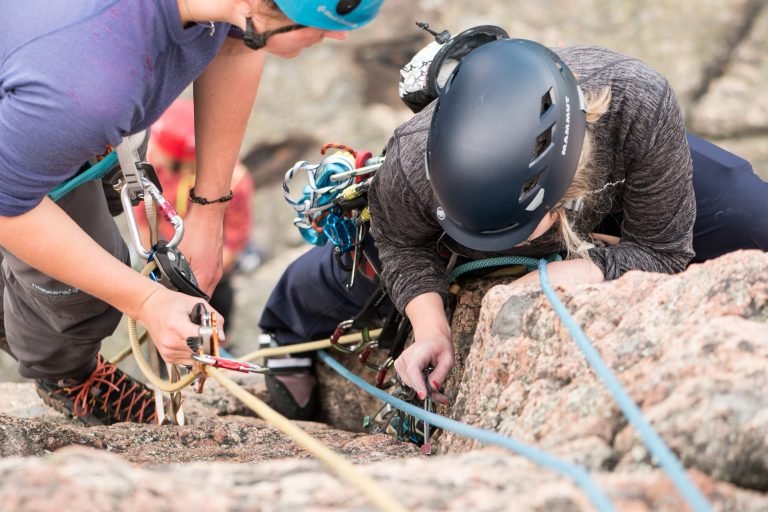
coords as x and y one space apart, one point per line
712 51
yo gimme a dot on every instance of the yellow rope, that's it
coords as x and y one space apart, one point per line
120 357
309 346
345 469
342 467
156 380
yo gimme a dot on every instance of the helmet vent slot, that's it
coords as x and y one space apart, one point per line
543 142
546 102
346 6
529 186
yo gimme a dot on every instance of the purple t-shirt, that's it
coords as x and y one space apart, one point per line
76 75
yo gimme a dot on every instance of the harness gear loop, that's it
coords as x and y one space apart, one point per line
128 156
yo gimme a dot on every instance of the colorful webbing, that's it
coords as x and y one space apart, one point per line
94 172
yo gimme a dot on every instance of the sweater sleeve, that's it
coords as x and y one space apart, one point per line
658 200
405 234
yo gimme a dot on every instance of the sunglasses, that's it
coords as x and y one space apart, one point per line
257 41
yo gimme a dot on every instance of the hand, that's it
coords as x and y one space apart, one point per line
165 314
203 244
437 352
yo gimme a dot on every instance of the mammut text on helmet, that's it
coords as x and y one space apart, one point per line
567 124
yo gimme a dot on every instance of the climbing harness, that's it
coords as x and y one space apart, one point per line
95 170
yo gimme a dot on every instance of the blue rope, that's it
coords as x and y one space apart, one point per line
502 261
577 473
94 172
667 460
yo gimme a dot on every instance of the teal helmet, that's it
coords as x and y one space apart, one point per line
330 14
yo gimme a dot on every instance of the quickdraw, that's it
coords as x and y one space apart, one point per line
399 423
205 347
363 350
322 208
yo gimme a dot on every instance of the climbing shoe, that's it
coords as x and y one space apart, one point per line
107 396
292 386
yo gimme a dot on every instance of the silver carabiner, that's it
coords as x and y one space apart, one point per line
164 208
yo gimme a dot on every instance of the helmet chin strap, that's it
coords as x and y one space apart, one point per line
256 41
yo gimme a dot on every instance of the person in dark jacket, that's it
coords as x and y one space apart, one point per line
530 151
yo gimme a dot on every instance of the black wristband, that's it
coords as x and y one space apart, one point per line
204 201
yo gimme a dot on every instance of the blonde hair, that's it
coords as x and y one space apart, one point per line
583 180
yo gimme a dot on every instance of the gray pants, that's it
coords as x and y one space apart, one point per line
54 330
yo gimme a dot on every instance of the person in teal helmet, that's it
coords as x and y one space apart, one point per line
324 18
75 79
331 14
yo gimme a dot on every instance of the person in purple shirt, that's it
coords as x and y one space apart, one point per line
75 78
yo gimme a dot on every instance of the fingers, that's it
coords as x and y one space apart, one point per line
440 373
415 374
440 398
409 367
175 352
411 364
168 321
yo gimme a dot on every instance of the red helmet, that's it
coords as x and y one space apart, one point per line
174 132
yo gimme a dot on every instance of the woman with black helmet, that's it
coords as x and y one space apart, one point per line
527 152
577 151
75 78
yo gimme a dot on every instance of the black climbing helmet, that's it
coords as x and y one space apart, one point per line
504 143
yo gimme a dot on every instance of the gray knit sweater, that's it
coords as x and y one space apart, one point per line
640 154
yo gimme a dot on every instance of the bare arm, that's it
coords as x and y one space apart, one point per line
567 272
80 262
432 345
224 97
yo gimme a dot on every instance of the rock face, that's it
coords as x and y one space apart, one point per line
691 350
219 430
80 479
711 51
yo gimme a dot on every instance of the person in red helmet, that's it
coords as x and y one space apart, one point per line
172 153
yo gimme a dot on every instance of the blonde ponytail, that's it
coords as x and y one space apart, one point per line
598 104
